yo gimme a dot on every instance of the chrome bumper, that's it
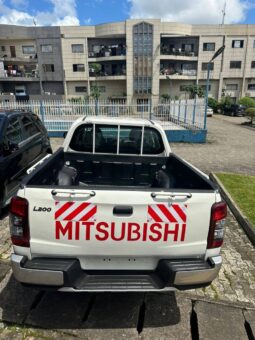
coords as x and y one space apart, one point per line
183 278
64 275
35 276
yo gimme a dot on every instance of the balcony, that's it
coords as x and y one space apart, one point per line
180 48
109 71
108 52
178 70
19 71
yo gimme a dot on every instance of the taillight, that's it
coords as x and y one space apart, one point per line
19 227
217 223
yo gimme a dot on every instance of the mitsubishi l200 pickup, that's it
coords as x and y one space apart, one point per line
115 210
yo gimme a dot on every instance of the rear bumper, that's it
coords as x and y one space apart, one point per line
67 275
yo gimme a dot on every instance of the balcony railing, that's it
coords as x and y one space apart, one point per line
107 51
18 74
178 52
169 72
107 74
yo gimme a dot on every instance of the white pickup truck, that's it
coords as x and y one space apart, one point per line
115 210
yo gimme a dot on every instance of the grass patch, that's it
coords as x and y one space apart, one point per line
242 190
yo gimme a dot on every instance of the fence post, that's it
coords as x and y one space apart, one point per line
42 111
150 108
179 111
96 107
185 112
194 111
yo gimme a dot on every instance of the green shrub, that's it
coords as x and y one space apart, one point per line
250 113
213 103
225 103
247 101
165 96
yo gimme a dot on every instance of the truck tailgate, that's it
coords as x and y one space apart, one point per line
111 229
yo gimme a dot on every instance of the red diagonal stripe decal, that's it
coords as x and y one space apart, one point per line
89 214
154 215
167 213
180 212
61 210
76 211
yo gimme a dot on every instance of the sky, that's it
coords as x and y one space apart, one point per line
92 12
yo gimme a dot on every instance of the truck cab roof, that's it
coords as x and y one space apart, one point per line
117 120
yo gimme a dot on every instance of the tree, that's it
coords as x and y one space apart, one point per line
225 103
95 91
194 90
213 103
95 69
250 113
247 102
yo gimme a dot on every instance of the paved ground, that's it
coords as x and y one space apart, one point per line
226 309
229 147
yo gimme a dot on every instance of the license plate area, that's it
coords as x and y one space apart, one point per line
118 263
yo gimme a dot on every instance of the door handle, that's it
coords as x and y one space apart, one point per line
123 210
171 195
72 193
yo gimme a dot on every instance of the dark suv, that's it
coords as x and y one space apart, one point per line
23 142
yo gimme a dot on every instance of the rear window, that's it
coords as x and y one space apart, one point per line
130 139
83 138
106 139
152 142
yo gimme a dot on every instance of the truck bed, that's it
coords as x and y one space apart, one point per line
65 169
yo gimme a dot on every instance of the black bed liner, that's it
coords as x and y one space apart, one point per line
113 171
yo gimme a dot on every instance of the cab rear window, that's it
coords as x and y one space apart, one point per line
113 139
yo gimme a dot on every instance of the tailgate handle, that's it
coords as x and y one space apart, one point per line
170 195
123 210
71 193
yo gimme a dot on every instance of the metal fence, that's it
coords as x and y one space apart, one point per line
59 115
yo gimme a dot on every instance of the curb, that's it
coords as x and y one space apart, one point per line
240 217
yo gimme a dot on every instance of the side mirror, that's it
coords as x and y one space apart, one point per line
10 147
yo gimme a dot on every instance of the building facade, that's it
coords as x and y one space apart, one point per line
135 59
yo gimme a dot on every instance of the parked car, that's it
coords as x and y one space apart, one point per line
209 112
235 110
114 209
23 142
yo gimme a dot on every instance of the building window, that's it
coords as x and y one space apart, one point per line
77 48
48 67
253 43
251 87
46 48
209 47
235 64
2 48
237 43
204 87
28 49
78 68
142 61
232 87
253 64
80 89
204 66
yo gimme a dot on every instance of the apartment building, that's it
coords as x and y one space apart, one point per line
135 59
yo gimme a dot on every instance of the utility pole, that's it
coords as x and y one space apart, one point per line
38 65
209 65
224 13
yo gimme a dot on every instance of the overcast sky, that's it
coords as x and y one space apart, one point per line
91 12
